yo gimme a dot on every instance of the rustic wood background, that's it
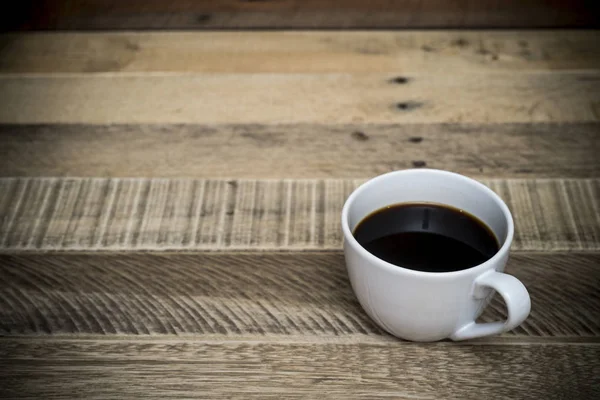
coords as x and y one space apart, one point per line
170 201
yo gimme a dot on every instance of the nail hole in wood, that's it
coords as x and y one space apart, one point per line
360 136
202 18
408 105
401 80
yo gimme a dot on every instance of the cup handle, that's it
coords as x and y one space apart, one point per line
515 296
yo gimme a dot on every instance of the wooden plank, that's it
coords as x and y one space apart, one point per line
184 214
541 150
300 98
252 295
175 369
227 14
394 52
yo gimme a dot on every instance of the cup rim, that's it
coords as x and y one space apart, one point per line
349 237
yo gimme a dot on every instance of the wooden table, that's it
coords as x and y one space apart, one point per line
170 204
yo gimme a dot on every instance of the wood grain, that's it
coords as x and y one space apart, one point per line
393 52
235 14
176 369
542 150
179 214
300 98
260 294
207 285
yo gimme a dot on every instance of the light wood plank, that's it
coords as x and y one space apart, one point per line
394 52
228 14
181 369
301 98
541 150
253 295
184 214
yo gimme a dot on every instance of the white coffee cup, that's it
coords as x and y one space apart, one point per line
429 306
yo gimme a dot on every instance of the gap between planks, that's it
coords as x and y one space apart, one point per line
501 340
79 214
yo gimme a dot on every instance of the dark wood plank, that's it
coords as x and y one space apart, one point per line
529 150
192 214
98 369
394 52
258 295
183 14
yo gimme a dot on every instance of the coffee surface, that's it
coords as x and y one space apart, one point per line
426 237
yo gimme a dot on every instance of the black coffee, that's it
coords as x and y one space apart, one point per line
426 237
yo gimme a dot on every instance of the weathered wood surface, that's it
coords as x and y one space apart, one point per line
394 52
198 253
185 214
300 98
175 369
257 294
530 150
311 14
